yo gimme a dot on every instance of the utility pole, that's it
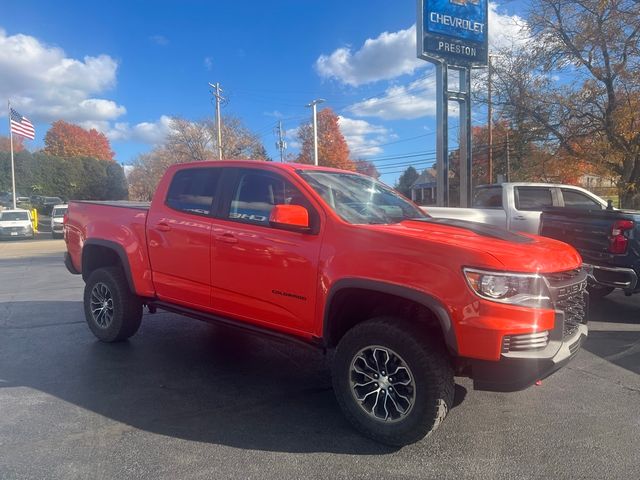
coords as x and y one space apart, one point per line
313 105
218 94
489 126
508 158
280 144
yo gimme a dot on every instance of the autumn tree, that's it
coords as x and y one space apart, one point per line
406 181
190 141
332 147
576 85
68 140
367 168
5 144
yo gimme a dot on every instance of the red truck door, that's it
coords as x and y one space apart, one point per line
179 237
260 273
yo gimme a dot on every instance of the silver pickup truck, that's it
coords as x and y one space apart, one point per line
517 206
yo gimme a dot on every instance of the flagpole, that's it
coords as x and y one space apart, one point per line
13 169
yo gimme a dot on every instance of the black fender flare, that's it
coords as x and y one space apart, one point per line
428 301
118 249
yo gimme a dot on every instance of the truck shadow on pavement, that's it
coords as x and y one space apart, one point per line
615 331
181 378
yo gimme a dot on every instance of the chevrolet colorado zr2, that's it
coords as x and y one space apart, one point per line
339 261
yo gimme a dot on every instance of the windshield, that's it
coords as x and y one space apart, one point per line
360 199
13 216
59 212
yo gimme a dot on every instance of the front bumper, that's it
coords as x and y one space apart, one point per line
616 277
16 234
519 370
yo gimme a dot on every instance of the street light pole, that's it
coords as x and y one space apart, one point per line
313 105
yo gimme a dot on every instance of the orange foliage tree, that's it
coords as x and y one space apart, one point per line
5 144
332 147
367 168
68 140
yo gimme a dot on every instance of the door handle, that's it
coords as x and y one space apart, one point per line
519 217
163 227
227 238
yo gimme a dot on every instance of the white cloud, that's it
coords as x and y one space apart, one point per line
159 40
415 100
387 56
392 54
506 31
208 63
291 136
363 138
45 84
152 133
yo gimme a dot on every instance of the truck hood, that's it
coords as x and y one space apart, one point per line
516 252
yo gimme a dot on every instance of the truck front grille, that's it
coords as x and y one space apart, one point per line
569 293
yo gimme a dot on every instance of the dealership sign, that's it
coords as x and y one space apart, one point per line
453 31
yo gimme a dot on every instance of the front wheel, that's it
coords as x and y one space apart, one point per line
392 383
112 311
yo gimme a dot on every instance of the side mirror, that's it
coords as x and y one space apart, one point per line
290 217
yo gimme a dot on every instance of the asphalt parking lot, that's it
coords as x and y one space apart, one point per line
183 399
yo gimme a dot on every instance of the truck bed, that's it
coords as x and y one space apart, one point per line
589 232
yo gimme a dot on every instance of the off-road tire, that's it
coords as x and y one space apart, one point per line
126 306
429 364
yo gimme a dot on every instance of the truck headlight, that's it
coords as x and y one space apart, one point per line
523 289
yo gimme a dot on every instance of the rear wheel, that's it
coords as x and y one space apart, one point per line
392 383
112 311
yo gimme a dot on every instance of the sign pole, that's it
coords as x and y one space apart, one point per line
453 33
465 138
13 170
442 136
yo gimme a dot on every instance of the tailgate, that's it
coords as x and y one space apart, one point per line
586 230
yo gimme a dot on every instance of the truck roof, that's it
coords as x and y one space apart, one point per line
528 184
256 163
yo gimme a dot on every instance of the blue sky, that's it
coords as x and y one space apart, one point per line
126 67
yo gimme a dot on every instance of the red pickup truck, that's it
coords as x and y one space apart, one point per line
339 261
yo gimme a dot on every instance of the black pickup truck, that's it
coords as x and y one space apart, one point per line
608 240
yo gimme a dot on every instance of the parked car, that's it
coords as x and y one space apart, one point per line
47 203
608 241
340 262
517 206
16 224
57 216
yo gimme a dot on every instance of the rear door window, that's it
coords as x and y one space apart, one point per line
575 199
194 190
490 197
533 198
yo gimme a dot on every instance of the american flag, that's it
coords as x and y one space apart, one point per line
21 125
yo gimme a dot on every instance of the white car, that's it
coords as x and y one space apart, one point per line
16 223
517 206
57 215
